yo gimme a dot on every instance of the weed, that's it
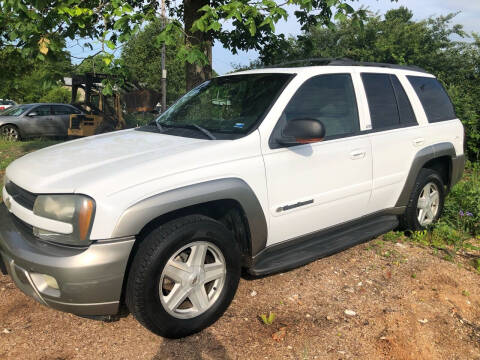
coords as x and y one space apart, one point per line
476 264
268 320
465 293
393 236
421 237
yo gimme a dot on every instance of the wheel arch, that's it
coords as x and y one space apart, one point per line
215 198
440 157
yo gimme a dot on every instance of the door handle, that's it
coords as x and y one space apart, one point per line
357 154
418 142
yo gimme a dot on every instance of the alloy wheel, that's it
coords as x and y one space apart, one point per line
9 133
428 204
192 280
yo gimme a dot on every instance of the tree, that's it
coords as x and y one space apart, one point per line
142 60
26 80
40 27
397 38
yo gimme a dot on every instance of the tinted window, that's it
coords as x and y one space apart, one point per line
407 116
381 100
43 110
63 110
434 98
328 98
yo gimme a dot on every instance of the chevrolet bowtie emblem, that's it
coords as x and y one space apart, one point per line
8 203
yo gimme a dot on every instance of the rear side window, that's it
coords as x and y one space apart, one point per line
434 98
388 103
328 98
63 110
405 111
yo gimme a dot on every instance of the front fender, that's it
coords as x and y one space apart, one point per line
134 219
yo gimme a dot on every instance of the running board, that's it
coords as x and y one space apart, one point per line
300 251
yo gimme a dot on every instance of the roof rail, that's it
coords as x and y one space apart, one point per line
343 62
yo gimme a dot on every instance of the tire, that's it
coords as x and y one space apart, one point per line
410 219
10 132
149 286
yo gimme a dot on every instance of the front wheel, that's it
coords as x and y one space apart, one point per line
10 133
184 276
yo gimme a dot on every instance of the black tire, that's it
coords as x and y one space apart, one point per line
142 292
409 220
10 132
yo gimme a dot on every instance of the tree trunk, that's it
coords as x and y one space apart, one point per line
196 74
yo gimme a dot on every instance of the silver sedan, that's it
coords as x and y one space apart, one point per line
32 120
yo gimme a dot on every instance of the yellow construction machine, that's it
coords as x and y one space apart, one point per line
105 113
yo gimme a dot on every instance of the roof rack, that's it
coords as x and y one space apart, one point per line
343 62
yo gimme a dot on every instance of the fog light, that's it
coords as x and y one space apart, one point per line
46 284
51 282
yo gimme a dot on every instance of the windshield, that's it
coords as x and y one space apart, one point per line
16 110
229 104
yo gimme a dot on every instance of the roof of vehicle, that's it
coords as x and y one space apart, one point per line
32 104
307 65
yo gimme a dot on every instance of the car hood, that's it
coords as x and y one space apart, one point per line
8 119
69 166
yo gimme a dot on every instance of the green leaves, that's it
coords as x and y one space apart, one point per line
268 320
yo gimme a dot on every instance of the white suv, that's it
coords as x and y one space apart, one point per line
264 170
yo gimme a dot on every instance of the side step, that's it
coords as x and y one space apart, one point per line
300 251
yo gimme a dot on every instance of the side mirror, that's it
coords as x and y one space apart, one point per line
302 131
32 113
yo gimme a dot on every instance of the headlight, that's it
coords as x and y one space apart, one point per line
77 210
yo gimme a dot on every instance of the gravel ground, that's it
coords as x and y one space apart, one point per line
376 300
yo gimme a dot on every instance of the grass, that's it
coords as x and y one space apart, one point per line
10 150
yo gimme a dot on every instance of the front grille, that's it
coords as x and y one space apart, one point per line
21 196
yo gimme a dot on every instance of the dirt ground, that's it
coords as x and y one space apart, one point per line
379 300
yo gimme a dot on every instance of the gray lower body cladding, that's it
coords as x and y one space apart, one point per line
425 155
90 279
137 216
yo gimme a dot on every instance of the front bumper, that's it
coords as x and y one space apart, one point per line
90 279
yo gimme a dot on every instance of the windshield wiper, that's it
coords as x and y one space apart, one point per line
195 127
205 131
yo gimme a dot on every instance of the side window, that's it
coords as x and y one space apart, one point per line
434 98
63 110
328 98
407 116
381 100
43 110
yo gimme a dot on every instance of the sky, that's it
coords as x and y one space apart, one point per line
469 17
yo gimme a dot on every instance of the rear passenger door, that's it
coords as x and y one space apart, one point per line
61 119
395 136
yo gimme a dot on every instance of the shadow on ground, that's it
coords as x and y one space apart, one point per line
203 346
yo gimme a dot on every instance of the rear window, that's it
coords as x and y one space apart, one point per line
388 103
407 116
381 100
434 98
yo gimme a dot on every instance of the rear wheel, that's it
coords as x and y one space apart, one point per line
184 276
10 133
426 201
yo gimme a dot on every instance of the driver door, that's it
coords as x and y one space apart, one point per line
39 121
315 186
